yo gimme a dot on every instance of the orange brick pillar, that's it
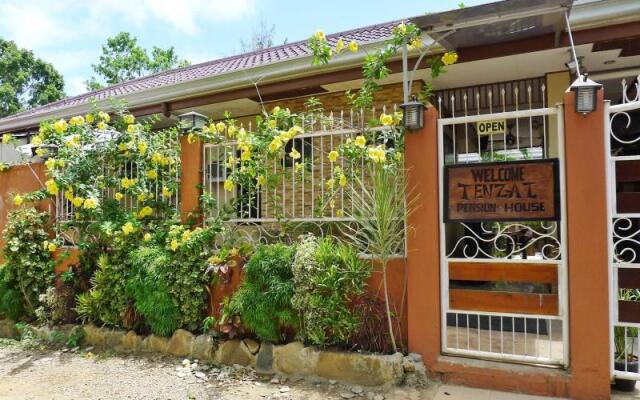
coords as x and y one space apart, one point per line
587 251
423 254
191 178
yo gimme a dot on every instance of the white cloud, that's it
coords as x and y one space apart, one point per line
33 24
75 85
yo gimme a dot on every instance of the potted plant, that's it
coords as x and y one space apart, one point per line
626 358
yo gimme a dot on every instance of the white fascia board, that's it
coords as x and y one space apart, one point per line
586 14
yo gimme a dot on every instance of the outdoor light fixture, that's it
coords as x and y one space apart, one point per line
191 120
413 114
586 92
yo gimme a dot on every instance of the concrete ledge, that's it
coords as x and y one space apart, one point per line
292 359
542 381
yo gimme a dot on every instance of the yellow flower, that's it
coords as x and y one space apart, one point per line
102 126
90 203
174 245
191 137
339 46
319 35
234 252
275 145
332 204
118 196
37 140
147 237
166 192
353 46
275 110
377 154
186 235
261 180
142 147
6 138
449 58
230 161
397 117
145 212
127 183
415 44
104 116
333 156
386 119
246 153
343 180
402 27
215 260
330 183
156 158
76 121
294 131
52 187
50 163
78 201
52 247
151 174
229 185
68 194
272 124
129 119
143 196
133 128
231 131
360 141
61 163
339 213
18 200
41 152
295 154
220 127
299 167
128 228
89 118
60 126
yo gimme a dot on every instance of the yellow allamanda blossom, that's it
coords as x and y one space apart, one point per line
142 147
339 213
275 110
402 27
143 196
37 140
6 138
90 203
231 161
78 201
90 119
52 187
449 58
319 35
151 174
232 130
333 156
377 154
295 154
104 116
360 141
147 237
166 192
50 164
342 181
68 194
174 245
299 167
127 183
129 119
156 158
128 228
353 46
275 145
60 126
246 153
339 46
221 126
191 138
386 119
118 196
18 200
261 180
52 247
229 185
41 152
330 183
76 121
102 126
145 212
415 44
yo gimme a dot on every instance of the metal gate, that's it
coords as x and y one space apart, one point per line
503 283
622 141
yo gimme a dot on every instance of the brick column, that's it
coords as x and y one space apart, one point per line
587 251
423 254
190 180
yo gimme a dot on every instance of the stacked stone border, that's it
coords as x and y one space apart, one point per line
292 359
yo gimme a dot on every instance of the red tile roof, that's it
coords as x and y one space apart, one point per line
208 69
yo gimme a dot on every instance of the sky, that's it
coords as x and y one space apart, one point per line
70 33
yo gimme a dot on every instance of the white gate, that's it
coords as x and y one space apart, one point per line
503 283
622 139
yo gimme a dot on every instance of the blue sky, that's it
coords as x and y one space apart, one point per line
69 33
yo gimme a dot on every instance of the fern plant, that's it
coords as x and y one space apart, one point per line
263 300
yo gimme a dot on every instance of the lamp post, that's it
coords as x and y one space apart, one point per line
413 114
586 94
191 120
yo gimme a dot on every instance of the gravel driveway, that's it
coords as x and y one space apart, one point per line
81 374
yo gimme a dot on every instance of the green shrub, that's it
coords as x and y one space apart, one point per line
263 300
29 265
11 305
328 277
148 288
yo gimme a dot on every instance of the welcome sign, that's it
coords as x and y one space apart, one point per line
502 191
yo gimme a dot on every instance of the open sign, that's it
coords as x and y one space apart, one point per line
491 127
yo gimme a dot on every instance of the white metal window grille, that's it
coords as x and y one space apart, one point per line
622 139
534 131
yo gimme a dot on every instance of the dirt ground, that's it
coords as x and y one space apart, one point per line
43 373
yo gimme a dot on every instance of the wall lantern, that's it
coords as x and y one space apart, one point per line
413 114
191 120
586 92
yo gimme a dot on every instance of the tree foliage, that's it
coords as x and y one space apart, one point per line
25 80
123 59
